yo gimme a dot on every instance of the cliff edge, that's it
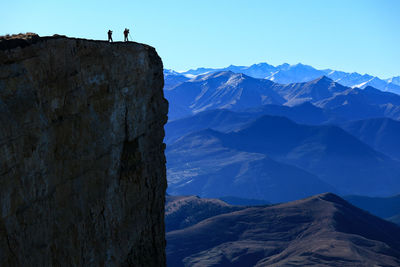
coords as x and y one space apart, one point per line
82 166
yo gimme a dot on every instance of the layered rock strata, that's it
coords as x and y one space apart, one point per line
82 166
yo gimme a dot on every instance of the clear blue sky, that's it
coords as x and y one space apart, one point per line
349 35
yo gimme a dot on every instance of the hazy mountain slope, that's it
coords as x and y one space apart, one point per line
363 103
373 96
218 119
185 211
362 81
395 219
313 91
394 80
327 151
226 120
199 164
383 134
323 230
305 113
172 79
383 207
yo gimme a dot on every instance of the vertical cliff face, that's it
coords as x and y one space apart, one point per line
82 166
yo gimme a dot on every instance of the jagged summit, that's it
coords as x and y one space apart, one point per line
327 197
323 79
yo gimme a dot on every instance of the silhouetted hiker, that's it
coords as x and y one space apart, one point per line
126 33
110 36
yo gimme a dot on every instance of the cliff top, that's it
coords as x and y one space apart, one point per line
25 39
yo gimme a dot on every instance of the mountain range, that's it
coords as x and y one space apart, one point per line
230 134
238 92
322 230
285 74
262 134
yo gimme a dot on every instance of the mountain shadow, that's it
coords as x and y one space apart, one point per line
200 164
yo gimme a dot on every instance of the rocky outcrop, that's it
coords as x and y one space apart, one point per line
82 166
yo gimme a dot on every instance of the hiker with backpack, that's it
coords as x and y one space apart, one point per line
126 33
110 36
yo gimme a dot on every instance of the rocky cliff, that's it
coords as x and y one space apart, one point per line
82 166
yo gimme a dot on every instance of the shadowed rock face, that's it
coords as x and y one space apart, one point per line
82 166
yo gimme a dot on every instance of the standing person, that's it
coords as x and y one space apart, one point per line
110 36
126 33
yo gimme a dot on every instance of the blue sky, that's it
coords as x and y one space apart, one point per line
351 35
